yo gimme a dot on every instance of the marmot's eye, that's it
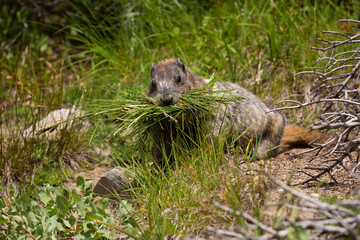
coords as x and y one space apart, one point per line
153 85
178 80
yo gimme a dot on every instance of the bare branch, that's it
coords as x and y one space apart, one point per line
349 20
336 99
328 221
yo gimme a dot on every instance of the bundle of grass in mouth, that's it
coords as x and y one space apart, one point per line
139 117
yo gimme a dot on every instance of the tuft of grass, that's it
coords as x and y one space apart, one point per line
176 202
20 155
136 115
37 77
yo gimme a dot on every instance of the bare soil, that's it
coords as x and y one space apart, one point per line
285 167
290 169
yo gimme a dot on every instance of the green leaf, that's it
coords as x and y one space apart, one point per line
44 198
60 226
72 220
80 182
75 196
88 185
124 209
91 227
62 203
80 237
53 212
58 191
93 216
18 219
51 224
80 227
25 202
4 219
67 223
130 222
2 202
33 218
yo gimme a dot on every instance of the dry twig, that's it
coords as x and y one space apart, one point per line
329 221
335 101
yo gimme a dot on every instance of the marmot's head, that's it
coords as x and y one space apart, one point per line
167 81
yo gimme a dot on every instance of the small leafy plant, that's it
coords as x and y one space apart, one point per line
55 213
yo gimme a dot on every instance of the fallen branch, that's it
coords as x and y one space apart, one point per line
329 221
335 102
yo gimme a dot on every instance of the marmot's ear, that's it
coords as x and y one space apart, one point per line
180 64
153 66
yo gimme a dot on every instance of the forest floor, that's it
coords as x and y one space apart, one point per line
287 167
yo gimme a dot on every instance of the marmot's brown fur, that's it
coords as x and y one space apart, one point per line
248 119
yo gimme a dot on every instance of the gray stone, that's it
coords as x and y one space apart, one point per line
114 183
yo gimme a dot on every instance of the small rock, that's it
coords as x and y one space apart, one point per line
114 183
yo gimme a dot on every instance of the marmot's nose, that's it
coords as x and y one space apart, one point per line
167 99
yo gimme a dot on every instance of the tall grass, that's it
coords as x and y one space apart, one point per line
35 80
28 158
240 40
259 44
175 200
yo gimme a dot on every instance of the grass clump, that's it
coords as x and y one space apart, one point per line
28 158
137 116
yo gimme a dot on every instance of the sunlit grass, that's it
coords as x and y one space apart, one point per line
253 43
258 44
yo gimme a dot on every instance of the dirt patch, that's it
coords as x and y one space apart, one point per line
284 167
292 170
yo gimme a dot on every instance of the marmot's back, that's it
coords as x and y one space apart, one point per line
249 118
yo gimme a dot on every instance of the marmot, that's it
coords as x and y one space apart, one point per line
249 119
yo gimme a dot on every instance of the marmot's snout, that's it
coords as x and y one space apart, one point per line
167 99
